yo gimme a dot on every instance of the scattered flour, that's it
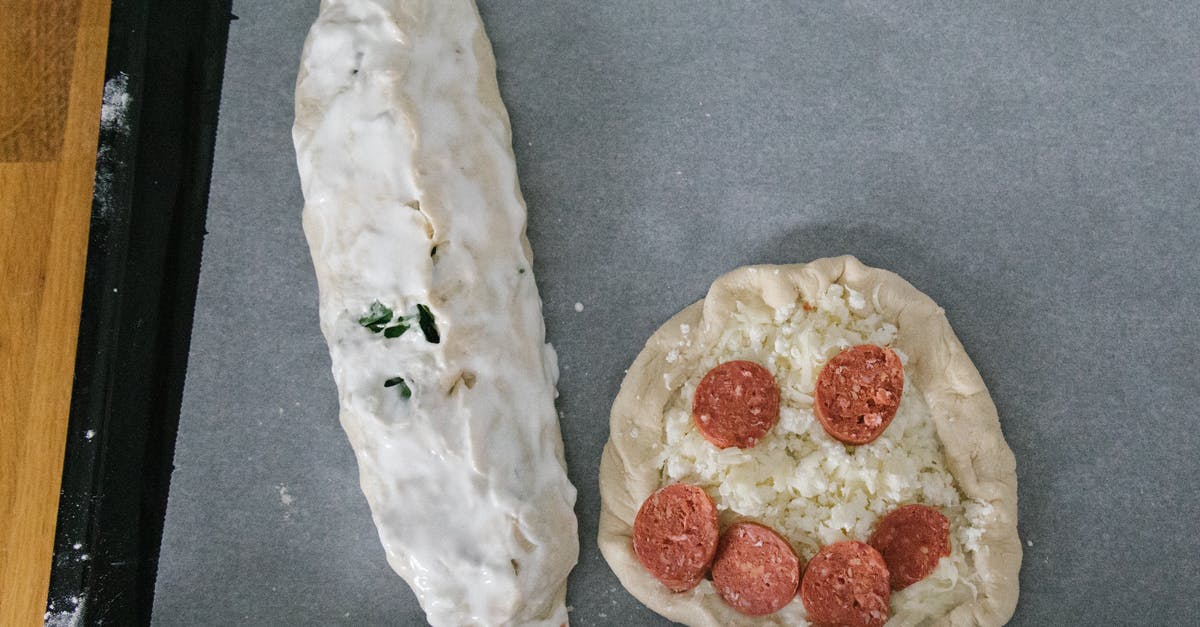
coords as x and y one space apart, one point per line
115 103
285 497
65 617
578 306
114 111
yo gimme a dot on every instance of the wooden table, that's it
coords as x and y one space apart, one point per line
52 66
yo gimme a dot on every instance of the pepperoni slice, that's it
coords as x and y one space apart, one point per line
858 392
675 535
736 403
846 584
756 571
912 539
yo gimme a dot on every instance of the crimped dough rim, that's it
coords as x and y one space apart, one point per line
963 413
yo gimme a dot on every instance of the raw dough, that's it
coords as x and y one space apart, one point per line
965 419
411 200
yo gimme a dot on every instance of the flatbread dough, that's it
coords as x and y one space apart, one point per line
964 416
412 205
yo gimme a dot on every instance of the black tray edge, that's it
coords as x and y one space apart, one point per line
143 263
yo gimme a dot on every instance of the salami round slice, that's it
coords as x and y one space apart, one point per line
675 535
736 404
846 584
858 393
912 539
756 571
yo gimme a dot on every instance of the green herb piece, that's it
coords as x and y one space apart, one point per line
428 326
396 330
433 251
376 317
520 270
405 391
380 316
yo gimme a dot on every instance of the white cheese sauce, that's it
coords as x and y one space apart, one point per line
404 146
801 481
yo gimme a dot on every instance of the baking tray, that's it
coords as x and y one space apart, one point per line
1034 167
162 89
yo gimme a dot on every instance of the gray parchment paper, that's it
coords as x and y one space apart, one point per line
1033 166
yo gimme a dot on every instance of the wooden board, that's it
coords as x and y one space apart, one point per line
52 55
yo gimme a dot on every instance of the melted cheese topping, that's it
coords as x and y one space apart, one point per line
403 146
802 482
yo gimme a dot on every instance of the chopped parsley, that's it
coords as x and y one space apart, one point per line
405 391
396 330
381 319
376 317
428 325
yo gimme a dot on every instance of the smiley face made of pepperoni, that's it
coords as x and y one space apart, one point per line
872 428
756 571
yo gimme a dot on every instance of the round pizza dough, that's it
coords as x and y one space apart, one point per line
964 417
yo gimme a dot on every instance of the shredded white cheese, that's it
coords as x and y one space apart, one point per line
805 484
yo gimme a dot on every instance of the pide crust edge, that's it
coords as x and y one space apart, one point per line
964 416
